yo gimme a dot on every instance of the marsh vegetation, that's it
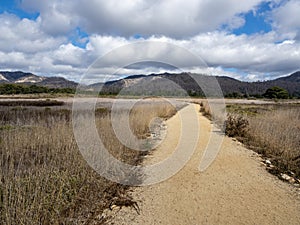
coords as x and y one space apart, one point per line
45 180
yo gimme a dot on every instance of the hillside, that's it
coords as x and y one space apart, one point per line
165 84
19 77
174 84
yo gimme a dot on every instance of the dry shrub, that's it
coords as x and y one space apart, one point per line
45 180
205 109
236 126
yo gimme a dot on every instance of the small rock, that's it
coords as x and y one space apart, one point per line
285 176
288 178
271 166
268 162
262 163
115 207
292 180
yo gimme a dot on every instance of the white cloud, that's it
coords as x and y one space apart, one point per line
23 35
69 55
254 55
56 17
103 44
42 45
173 18
286 19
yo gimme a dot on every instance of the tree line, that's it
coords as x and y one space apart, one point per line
9 89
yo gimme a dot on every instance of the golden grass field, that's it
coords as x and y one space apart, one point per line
44 178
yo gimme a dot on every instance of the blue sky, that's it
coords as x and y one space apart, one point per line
11 6
255 22
248 40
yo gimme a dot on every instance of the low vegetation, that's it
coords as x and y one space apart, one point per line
236 126
44 178
158 110
270 130
13 89
205 109
40 103
276 93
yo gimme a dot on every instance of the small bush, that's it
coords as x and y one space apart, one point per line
236 126
205 109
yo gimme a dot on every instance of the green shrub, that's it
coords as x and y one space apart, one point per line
276 93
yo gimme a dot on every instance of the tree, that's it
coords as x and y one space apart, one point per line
276 92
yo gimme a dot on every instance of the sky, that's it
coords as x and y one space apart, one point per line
248 40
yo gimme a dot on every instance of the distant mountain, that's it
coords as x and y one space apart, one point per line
170 84
165 84
20 77
295 77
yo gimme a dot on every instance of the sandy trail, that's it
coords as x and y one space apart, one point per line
235 189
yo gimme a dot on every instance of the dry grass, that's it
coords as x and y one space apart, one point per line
146 113
45 180
205 109
273 131
214 111
39 103
277 133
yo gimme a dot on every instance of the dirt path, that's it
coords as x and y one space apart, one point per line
235 189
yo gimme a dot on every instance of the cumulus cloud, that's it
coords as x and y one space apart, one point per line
69 55
43 45
255 55
24 35
56 17
173 18
101 45
286 19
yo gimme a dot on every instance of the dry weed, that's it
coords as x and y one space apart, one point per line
44 178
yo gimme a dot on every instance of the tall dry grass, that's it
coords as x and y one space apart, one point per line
277 135
214 110
205 109
271 130
145 113
44 178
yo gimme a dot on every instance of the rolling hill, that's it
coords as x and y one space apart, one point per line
166 84
20 77
174 84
